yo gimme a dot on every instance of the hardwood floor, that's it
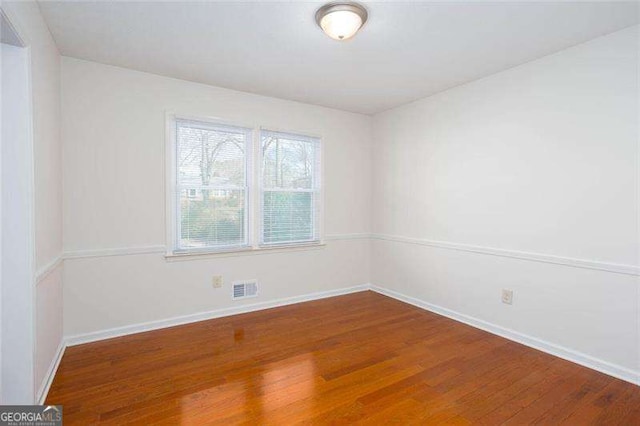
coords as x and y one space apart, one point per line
361 358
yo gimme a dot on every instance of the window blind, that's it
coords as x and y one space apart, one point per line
212 185
290 188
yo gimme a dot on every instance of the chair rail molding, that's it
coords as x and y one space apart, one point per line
515 254
616 268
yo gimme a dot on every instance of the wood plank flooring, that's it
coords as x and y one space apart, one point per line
360 358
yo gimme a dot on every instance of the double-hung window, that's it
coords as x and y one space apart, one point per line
211 186
290 188
213 203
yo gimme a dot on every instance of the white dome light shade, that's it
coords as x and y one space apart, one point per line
341 25
341 21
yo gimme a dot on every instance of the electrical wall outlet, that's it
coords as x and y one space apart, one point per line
217 281
507 296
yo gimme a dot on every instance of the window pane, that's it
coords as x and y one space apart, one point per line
211 182
287 216
287 162
211 156
212 218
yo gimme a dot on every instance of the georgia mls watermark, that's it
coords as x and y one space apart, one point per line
30 415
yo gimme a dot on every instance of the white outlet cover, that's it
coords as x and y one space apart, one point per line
507 296
217 281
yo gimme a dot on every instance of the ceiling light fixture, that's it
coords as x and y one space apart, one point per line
341 21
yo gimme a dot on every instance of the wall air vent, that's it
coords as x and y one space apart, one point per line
244 289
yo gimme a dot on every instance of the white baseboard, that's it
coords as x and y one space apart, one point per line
588 361
51 372
218 313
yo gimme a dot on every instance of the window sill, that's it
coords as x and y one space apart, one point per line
244 251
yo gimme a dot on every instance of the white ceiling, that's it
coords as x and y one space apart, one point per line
405 51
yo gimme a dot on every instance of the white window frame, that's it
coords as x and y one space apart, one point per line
316 190
173 189
253 195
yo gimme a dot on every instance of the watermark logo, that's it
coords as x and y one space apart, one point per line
30 415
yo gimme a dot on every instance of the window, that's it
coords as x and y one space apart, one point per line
290 188
211 185
212 202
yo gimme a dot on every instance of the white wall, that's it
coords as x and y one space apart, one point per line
114 198
542 159
45 82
